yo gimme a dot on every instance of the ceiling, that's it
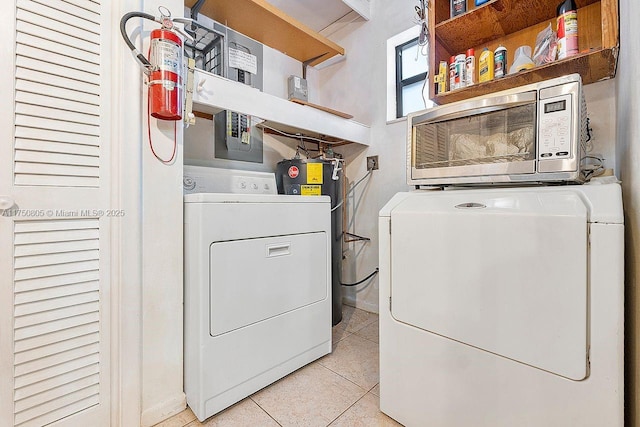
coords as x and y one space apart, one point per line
315 14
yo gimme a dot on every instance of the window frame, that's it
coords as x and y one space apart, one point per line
402 83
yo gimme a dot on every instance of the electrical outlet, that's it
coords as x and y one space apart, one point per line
372 163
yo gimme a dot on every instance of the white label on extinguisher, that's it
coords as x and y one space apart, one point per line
165 55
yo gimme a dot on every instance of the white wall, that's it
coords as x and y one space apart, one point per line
628 155
358 86
152 258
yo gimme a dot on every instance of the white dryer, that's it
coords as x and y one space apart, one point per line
502 307
257 285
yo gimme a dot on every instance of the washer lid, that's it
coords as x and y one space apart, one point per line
503 272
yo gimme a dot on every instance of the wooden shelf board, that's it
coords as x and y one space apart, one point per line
594 66
267 24
493 20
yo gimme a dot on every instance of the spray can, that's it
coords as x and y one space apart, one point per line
441 86
461 79
452 73
458 7
500 62
567 14
470 68
485 66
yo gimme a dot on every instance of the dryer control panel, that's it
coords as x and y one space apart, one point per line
199 179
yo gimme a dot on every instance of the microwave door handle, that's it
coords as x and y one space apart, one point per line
472 108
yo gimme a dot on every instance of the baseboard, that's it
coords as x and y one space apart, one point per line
362 305
163 410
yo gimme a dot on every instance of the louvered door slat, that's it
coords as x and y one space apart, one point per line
55 181
65 368
91 6
55 258
53 326
57 37
54 58
48 124
71 10
48 9
56 381
66 404
55 236
55 304
55 393
55 348
79 404
24 145
53 360
54 247
56 281
52 135
59 70
56 292
47 168
48 46
53 315
51 127
58 115
56 158
52 79
90 37
57 103
54 225
66 334
54 270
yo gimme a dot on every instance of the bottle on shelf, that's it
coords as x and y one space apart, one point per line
470 65
500 62
485 66
458 7
567 17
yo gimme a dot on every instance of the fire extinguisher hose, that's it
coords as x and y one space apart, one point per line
123 30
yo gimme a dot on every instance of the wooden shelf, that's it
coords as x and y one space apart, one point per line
514 23
496 19
267 24
215 94
594 66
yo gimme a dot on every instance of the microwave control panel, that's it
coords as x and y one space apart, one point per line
554 128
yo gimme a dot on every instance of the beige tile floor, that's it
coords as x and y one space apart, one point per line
338 390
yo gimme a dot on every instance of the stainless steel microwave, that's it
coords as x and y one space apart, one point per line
532 133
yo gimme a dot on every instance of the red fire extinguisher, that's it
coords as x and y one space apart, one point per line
163 69
164 66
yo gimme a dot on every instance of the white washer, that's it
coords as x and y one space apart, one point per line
257 286
503 307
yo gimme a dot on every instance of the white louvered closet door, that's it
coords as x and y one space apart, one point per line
55 249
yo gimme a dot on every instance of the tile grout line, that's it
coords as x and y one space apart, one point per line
351 406
265 411
352 382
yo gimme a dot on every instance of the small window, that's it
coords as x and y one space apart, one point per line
411 74
407 74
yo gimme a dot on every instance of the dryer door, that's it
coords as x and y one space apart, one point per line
252 280
502 271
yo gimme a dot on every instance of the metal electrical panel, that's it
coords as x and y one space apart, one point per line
225 52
